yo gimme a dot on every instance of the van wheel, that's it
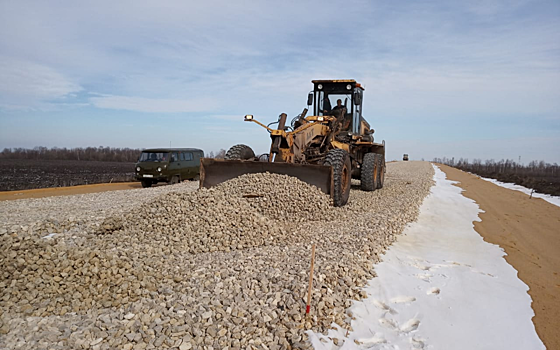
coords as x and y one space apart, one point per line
175 180
196 178
146 183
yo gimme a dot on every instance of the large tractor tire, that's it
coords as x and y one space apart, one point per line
381 168
238 152
339 160
370 172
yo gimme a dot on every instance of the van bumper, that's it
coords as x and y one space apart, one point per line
153 178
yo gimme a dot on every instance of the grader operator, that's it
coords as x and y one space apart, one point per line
326 149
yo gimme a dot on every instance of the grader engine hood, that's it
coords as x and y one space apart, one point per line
214 172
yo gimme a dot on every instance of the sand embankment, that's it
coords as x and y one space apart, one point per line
529 232
67 191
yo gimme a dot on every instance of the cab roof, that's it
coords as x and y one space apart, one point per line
342 81
334 81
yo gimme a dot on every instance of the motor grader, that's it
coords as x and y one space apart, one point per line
326 150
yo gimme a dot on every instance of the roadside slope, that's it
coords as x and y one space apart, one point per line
67 191
529 232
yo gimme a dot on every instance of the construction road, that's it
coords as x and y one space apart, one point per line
527 229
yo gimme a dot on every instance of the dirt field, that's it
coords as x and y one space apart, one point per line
529 231
22 174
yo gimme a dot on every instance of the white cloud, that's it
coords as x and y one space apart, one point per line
153 105
26 84
428 60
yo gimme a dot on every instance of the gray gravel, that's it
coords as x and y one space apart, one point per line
91 207
175 267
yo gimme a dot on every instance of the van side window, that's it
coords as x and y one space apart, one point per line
188 156
174 157
181 156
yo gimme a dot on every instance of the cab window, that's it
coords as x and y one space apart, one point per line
188 156
174 157
181 156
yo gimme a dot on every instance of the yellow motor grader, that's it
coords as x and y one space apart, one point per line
326 149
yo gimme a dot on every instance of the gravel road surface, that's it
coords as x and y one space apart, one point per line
181 268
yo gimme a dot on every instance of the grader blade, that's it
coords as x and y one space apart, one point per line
213 172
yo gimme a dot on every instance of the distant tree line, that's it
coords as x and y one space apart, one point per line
539 175
218 155
104 154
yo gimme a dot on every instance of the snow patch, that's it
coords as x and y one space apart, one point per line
440 286
551 199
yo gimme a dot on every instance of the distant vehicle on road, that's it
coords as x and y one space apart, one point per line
405 157
171 165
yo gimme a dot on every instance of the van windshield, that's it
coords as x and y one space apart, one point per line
153 157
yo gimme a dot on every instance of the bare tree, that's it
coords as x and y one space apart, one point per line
539 175
221 154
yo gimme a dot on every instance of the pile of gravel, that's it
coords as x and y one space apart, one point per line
214 268
279 197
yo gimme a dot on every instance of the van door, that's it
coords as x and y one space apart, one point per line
189 164
197 156
174 166
183 166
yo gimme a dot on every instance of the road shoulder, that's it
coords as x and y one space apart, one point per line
67 191
529 232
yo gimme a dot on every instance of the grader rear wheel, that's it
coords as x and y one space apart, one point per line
339 160
370 173
381 168
239 152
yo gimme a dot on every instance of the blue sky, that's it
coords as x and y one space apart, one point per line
473 79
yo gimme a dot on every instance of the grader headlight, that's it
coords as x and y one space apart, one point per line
320 119
248 117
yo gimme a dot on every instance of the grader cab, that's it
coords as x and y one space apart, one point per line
326 149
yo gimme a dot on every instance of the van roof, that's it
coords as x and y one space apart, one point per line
155 150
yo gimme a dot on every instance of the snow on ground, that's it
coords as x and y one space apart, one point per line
551 199
440 286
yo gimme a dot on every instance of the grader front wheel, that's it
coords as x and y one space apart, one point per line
339 160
